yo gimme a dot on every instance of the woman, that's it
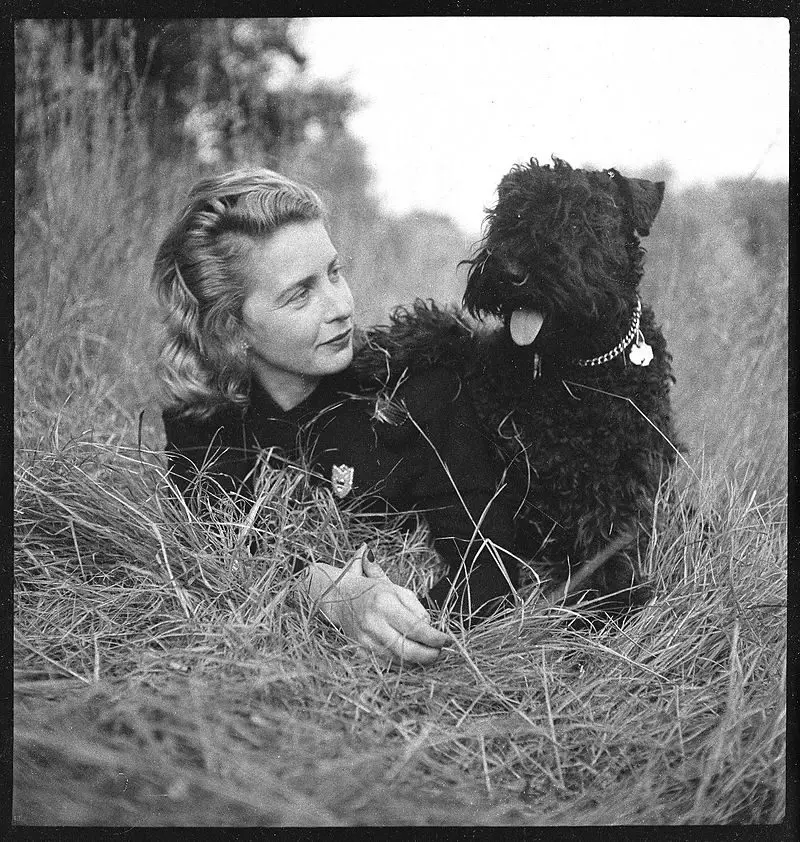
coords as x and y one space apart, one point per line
257 355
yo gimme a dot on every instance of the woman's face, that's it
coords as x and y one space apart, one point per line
298 312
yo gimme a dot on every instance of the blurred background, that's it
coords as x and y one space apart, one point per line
405 126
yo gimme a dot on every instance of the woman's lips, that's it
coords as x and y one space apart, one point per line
340 339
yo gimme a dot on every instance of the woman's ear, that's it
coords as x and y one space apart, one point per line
239 349
229 342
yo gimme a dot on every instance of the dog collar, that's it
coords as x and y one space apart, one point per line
641 353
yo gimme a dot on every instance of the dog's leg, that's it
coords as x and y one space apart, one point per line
587 569
620 582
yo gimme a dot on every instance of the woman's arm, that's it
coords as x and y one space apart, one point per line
361 600
456 486
213 448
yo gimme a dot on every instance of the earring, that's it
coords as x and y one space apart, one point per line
242 351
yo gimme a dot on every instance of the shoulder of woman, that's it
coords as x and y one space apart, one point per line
186 427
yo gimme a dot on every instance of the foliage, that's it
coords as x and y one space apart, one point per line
227 89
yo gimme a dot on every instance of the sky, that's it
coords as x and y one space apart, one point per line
453 103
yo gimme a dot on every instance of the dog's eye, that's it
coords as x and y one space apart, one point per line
518 283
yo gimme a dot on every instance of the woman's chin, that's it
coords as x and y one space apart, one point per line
339 359
346 357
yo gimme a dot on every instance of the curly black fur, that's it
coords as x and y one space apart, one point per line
589 446
564 242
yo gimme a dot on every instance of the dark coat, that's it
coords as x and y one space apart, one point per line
395 466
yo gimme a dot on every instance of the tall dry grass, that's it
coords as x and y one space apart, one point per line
725 315
167 674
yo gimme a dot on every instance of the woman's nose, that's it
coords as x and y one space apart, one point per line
340 301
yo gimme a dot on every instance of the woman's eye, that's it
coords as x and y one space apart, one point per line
300 296
336 273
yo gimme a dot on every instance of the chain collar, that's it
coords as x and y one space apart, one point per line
621 346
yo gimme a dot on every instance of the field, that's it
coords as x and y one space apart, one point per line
164 676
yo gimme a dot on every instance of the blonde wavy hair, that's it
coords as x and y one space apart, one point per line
200 280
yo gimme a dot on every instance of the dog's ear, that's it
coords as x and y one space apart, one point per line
643 199
483 290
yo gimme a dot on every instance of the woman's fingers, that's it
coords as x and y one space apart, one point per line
401 647
356 566
413 626
383 616
410 600
372 570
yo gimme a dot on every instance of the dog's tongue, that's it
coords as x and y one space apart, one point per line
525 326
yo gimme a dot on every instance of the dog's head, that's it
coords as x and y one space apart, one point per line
561 249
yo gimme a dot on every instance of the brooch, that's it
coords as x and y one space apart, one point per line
342 480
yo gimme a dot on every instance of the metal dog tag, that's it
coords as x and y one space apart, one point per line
641 353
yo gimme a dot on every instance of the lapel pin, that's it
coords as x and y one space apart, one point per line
342 480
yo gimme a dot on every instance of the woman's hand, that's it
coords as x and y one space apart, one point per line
373 611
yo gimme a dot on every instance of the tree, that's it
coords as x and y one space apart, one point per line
230 89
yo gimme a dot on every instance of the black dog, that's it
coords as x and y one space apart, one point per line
574 388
